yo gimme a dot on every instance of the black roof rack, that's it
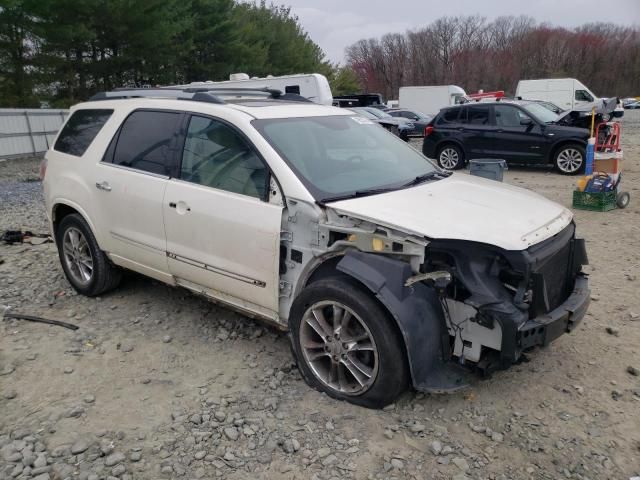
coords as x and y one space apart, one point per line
197 93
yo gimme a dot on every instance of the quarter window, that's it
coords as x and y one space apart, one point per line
80 130
147 142
449 116
216 156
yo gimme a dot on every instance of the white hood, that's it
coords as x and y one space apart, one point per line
463 207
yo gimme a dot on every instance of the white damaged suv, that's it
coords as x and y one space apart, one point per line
385 270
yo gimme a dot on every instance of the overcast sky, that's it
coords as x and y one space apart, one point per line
336 24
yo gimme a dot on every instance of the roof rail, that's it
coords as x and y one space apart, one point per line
155 93
199 94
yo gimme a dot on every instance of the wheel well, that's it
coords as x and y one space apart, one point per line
59 212
328 269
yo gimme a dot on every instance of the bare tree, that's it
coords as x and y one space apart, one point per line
474 53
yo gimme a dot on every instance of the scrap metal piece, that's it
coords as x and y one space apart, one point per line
31 318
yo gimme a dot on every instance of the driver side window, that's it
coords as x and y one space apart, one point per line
511 117
217 156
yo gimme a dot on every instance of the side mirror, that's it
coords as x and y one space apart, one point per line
527 122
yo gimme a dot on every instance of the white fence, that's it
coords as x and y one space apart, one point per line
25 132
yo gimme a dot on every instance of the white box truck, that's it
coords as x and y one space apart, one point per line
313 86
566 93
430 99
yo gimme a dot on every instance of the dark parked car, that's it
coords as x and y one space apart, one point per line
520 132
398 126
419 119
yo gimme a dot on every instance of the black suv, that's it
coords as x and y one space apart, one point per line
520 132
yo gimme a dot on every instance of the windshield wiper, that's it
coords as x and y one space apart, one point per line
357 194
427 176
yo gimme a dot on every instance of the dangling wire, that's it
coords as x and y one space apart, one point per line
456 327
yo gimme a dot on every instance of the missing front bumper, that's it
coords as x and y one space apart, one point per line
544 329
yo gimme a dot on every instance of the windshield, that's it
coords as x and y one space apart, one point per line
541 113
341 155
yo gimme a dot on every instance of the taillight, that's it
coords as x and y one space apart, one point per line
428 130
43 169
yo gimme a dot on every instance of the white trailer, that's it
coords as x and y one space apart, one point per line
313 86
430 99
567 93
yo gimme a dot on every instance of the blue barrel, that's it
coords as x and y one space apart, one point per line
491 168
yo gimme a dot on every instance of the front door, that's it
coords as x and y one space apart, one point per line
130 182
517 137
222 234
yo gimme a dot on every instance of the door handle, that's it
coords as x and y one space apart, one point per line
103 186
181 207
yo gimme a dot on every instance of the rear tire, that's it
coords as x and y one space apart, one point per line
86 267
346 344
570 159
450 157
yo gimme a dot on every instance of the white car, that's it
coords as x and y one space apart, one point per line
386 270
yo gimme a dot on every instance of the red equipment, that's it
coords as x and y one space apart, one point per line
482 95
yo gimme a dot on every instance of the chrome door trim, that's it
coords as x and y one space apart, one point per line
219 271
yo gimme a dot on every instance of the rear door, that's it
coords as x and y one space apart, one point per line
223 235
130 182
476 130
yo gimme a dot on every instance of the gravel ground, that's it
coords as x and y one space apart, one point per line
158 384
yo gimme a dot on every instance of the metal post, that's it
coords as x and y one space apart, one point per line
33 142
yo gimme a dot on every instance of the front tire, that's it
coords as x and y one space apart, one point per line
86 267
346 344
450 157
570 159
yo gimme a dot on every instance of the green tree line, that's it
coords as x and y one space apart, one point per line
63 51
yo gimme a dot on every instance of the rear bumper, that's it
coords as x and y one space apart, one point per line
544 329
428 148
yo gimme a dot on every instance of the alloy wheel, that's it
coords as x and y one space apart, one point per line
339 348
569 160
77 255
449 158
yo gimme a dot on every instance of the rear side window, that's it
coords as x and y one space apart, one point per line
475 115
449 116
80 130
147 142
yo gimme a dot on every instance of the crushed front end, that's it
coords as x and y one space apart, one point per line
500 303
